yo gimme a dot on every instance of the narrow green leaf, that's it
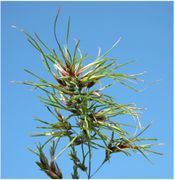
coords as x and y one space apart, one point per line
67 146
114 45
42 42
75 51
68 31
56 38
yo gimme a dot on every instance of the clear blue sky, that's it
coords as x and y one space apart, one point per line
147 31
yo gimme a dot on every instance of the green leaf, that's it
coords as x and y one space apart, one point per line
114 45
42 42
56 38
68 31
75 51
44 122
67 146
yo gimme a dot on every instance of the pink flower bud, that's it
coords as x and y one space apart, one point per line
96 93
61 70
79 72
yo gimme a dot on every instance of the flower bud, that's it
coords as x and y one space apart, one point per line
79 72
96 93
61 70
90 84
123 146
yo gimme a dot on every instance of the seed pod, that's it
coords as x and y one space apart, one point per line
80 84
43 160
72 72
58 172
68 103
82 167
79 141
61 82
96 117
124 146
60 117
52 165
100 118
53 175
90 84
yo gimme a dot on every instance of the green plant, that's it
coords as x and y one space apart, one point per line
88 124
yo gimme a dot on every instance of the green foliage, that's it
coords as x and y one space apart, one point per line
89 124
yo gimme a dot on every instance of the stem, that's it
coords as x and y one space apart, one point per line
98 168
90 157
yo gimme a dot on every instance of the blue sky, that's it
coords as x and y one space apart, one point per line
146 29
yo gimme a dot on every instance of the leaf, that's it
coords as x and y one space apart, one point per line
75 51
144 155
34 152
154 152
114 45
44 134
32 73
68 31
123 64
42 42
143 130
45 122
67 146
56 38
